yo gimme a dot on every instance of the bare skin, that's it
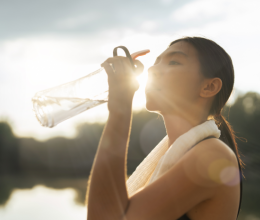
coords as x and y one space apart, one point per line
204 183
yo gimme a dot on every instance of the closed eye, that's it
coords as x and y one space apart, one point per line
173 63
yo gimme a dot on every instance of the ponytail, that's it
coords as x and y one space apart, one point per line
227 135
229 138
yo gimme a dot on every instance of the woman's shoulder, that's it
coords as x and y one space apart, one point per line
217 146
211 161
215 164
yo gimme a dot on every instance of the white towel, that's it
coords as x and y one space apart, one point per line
162 158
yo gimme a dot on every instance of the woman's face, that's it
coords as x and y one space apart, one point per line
174 81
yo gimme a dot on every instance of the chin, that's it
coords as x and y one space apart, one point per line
149 107
152 105
155 103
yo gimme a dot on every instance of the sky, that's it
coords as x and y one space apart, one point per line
46 43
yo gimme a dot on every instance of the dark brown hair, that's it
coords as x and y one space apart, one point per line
215 62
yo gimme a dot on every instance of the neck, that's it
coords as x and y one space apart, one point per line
177 125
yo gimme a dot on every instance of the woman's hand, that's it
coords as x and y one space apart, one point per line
122 82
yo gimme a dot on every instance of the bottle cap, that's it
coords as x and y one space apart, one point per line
139 53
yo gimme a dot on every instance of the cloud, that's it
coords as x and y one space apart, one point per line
46 43
149 25
167 2
27 18
201 10
243 16
77 21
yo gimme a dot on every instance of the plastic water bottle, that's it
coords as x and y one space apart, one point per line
57 104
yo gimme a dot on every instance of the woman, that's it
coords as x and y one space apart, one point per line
188 84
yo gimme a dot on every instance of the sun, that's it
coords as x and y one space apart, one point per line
139 99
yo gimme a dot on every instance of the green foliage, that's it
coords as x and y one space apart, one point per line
244 115
9 158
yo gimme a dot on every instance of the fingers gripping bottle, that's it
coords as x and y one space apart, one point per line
54 105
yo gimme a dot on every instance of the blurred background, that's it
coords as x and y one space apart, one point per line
44 171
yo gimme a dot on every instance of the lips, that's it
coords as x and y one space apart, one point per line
152 86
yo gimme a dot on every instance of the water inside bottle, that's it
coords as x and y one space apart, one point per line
50 111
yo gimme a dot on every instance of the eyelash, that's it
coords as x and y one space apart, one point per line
169 62
174 62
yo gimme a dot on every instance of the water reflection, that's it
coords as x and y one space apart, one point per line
41 203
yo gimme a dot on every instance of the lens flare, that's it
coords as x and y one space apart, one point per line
223 171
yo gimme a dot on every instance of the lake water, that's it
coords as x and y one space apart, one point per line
41 203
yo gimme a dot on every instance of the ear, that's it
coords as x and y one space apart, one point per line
211 87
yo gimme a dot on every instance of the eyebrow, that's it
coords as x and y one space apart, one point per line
173 53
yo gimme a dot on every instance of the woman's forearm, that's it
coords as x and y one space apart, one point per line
108 197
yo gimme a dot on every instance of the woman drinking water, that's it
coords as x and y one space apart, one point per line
195 171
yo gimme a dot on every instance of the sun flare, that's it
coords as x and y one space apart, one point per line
139 99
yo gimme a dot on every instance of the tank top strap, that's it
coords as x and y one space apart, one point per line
211 136
241 186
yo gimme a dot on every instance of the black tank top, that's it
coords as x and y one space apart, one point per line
185 217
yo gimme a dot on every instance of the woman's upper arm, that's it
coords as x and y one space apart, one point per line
195 178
